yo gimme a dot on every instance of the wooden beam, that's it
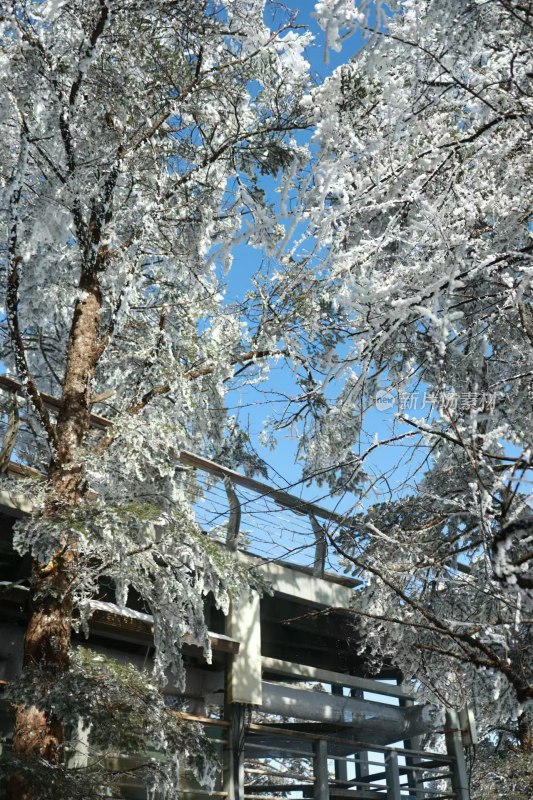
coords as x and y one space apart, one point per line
112 622
262 797
304 671
129 629
284 499
360 794
432 760
13 386
211 721
436 758
250 788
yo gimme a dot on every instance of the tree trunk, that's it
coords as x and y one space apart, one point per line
48 635
46 649
525 731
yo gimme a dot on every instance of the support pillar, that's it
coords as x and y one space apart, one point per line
392 772
233 758
362 769
244 624
415 743
320 770
341 767
454 748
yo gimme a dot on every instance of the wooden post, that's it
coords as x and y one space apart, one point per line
228 782
341 767
320 770
416 786
454 747
320 547
233 759
362 769
392 773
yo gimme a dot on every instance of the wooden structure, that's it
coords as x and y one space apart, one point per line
288 698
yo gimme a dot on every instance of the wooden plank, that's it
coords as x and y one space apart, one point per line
13 386
203 792
327 676
359 795
277 751
107 621
272 773
216 723
261 797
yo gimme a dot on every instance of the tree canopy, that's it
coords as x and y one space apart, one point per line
420 206
134 139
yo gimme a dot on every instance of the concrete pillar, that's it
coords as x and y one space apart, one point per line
245 672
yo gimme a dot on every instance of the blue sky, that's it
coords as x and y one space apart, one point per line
253 406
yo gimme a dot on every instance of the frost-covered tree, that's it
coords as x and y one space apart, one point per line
498 772
420 207
133 139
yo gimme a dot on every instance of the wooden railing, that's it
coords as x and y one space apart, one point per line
301 532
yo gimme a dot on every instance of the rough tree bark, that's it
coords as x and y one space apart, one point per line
48 635
525 731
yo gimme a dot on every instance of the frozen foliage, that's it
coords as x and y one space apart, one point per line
124 714
164 558
341 18
133 141
420 208
134 138
497 774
